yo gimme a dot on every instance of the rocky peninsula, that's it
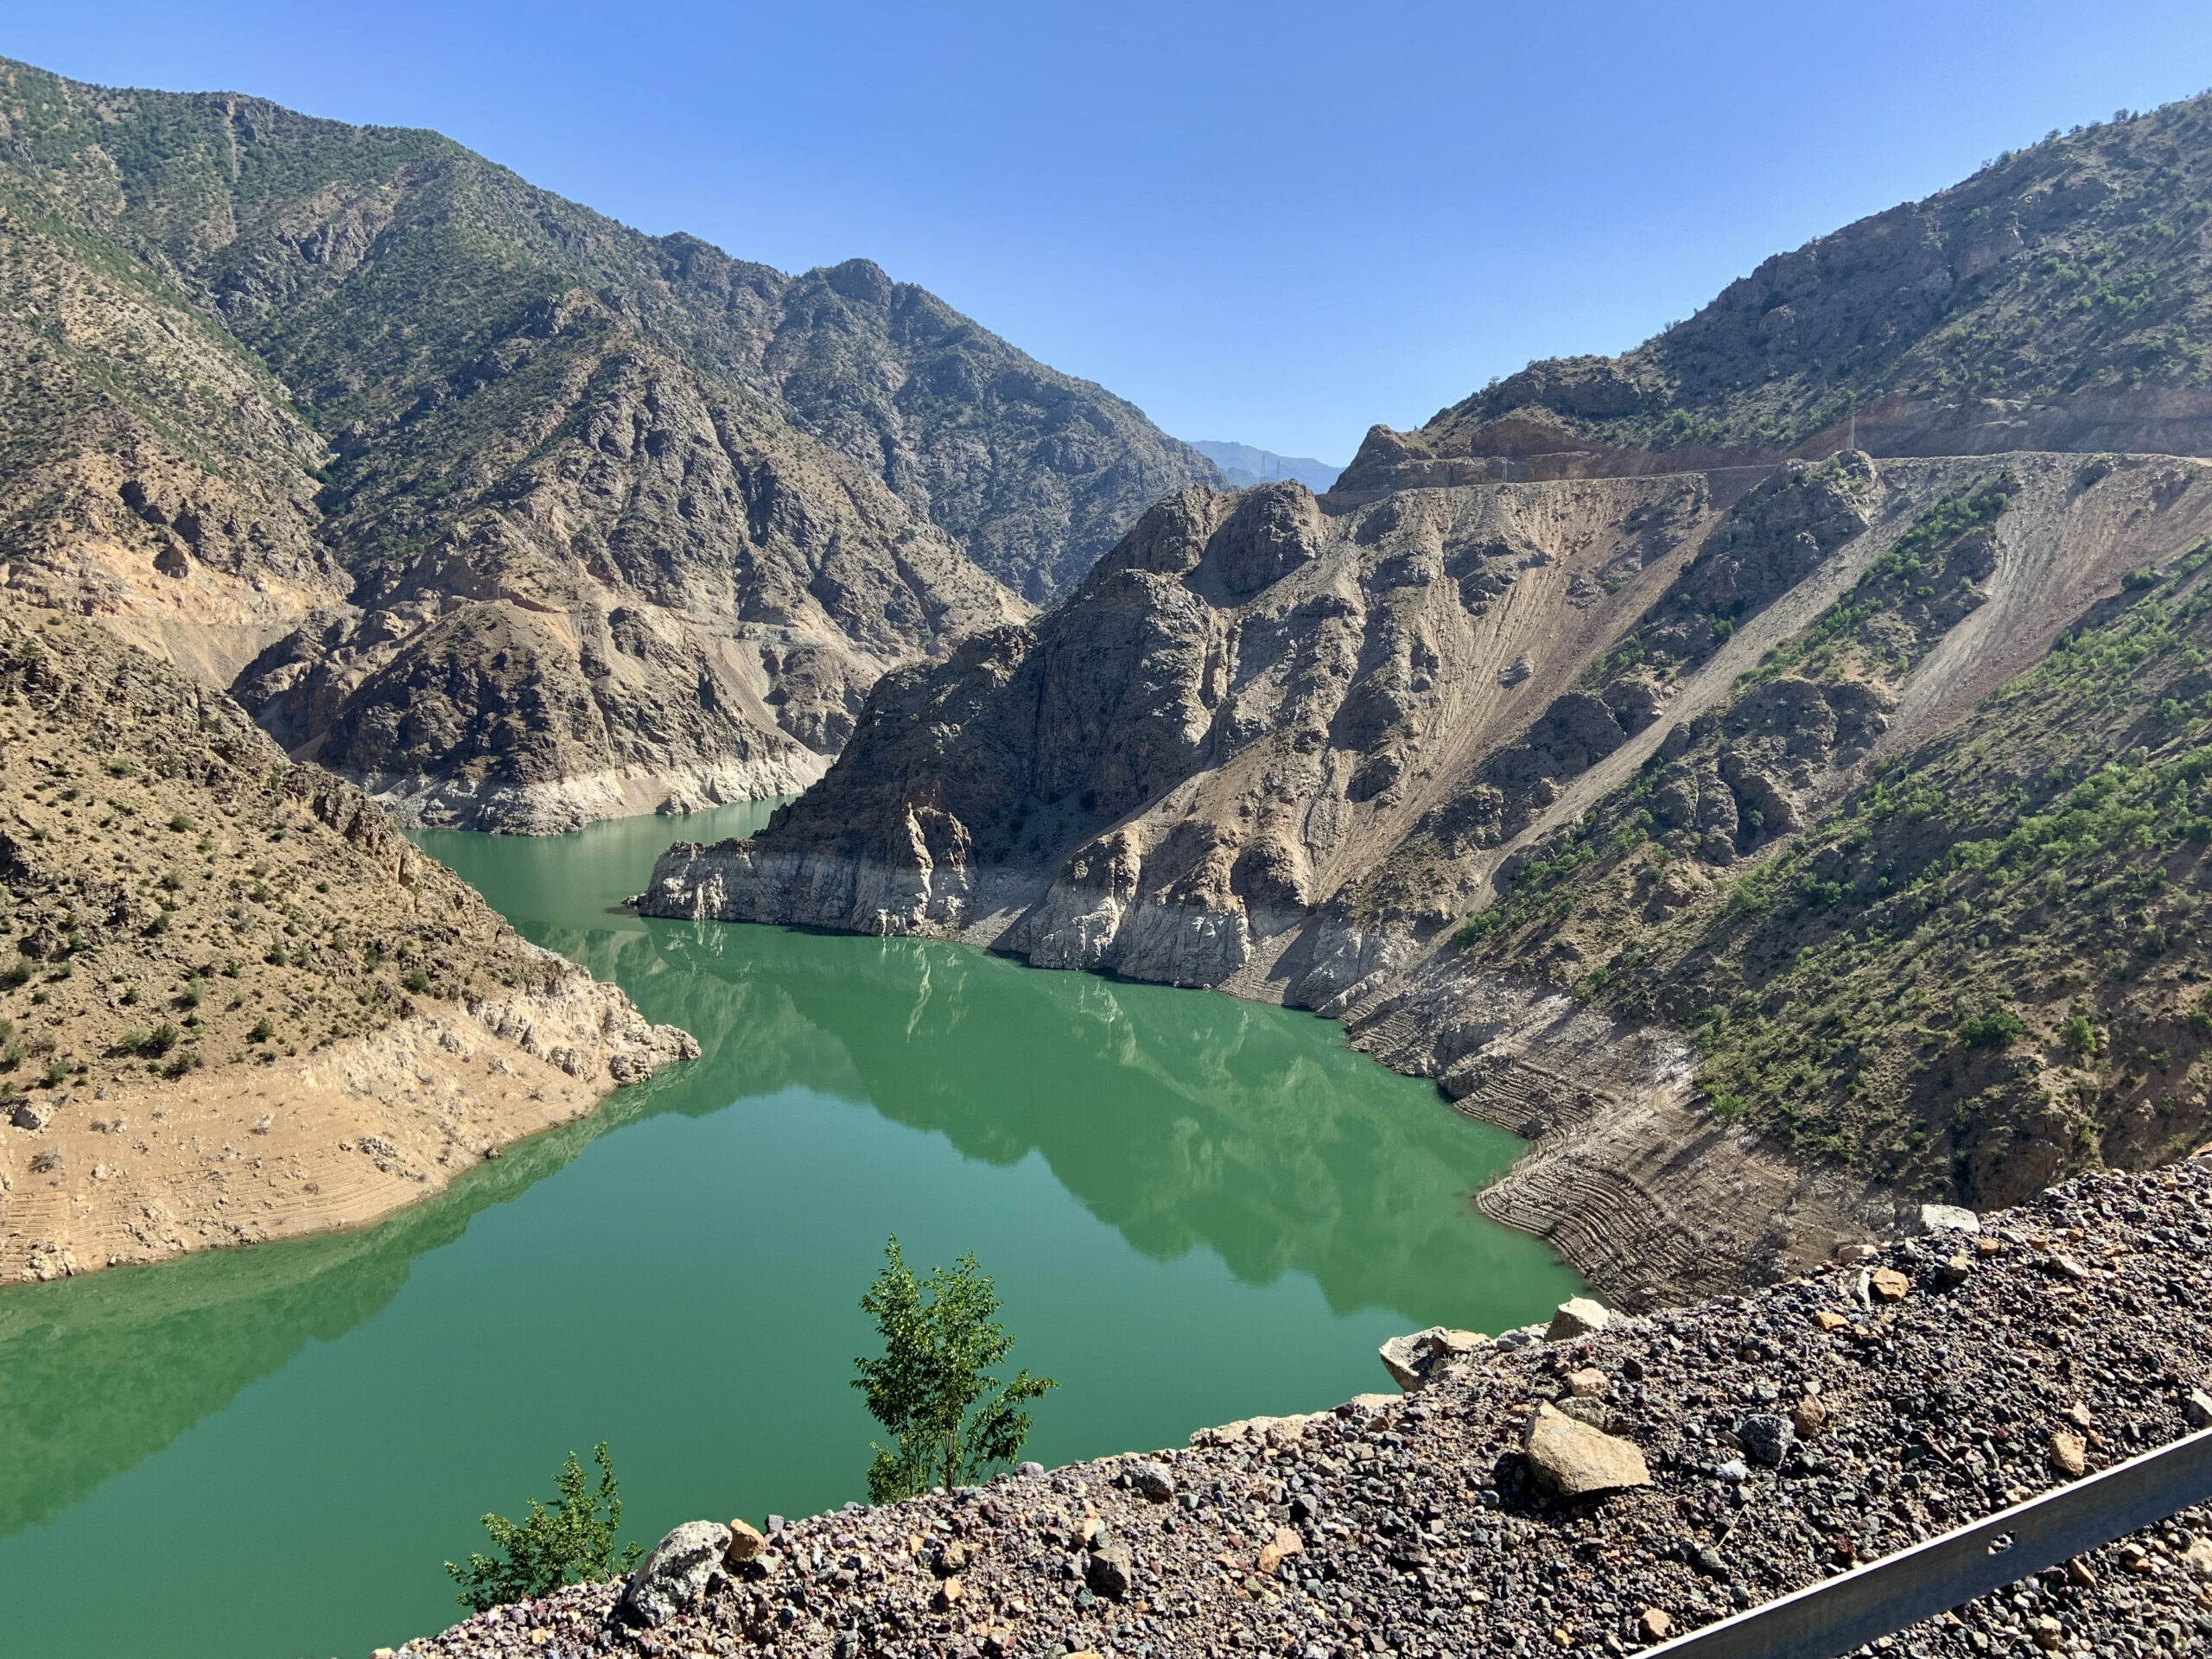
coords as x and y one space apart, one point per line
236 1003
1594 1486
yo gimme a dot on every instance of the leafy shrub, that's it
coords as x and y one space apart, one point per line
1993 1028
570 1543
1476 926
416 980
151 1043
1820 895
2079 1036
953 1422
180 822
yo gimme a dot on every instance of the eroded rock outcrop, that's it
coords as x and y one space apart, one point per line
1290 792
1986 319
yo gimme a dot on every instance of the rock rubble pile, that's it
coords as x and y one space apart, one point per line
1595 1491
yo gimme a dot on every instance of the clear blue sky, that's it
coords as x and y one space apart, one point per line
1271 223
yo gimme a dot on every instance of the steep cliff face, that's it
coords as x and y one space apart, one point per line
2058 300
1280 744
291 393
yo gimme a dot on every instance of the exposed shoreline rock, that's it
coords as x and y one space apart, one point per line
1785 1435
317 1142
554 806
236 1003
1637 1185
1279 747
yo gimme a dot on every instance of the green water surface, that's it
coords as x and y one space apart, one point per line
1196 1209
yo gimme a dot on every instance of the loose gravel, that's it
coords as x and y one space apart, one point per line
1788 1433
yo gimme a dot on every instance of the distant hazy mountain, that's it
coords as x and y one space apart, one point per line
1243 465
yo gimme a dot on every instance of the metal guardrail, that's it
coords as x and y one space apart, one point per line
1884 1597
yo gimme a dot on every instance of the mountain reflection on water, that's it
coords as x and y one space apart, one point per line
1183 1119
1196 1208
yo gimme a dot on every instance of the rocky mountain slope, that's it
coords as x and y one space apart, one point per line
514 514
235 1003
1283 745
2059 299
1601 1490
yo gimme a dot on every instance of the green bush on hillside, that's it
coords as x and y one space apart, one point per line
1995 1028
571 1543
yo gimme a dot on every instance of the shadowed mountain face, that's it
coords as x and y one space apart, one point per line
2059 299
511 512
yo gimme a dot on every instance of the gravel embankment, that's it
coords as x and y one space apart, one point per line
2075 1339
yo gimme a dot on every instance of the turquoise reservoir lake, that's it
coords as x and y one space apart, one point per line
1196 1210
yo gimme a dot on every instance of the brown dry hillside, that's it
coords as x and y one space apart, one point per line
2059 299
235 1003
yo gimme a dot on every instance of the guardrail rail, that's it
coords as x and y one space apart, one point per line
1884 1597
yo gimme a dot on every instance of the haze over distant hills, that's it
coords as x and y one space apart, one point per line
1242 465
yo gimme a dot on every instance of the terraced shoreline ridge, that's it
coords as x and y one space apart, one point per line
237 1004
1741 1448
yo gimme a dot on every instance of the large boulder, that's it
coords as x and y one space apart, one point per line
747 1544
1765 1436
1573 1458
27 1114
671 1579
1415 1361
1578 1316
1108 1568
1153 1479
1948 1218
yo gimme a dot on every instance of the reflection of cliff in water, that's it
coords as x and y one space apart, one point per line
98 1372
1182 1118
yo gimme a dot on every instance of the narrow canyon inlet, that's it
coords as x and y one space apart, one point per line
1196 1208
